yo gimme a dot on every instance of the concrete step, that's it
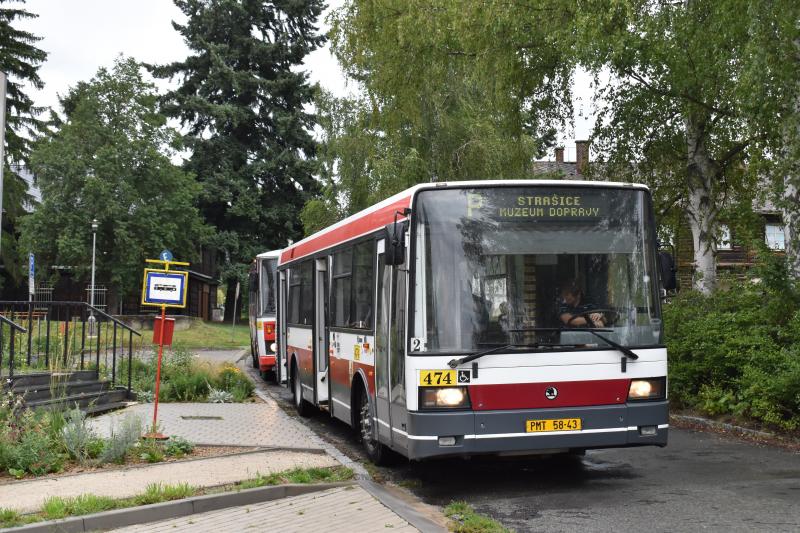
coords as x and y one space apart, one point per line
44 379
57 389
82 400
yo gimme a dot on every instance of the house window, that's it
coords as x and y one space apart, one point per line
724 242
776 238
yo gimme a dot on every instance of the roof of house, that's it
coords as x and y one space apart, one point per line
568 169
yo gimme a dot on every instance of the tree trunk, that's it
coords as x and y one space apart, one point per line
702 210
790 212
790 204
230 308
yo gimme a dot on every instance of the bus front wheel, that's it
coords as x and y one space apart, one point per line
376 451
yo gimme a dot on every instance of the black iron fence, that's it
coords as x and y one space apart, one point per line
63 337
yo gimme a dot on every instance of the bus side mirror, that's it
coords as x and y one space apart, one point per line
667 268
395 243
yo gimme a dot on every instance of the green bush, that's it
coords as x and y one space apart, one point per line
735 352
123 437
178 446
35 453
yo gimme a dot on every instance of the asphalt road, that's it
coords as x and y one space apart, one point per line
701 482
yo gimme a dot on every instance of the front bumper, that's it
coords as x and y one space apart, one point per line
266 362
490 432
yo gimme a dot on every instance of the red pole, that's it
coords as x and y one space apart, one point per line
153 434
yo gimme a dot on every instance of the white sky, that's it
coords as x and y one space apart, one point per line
80 36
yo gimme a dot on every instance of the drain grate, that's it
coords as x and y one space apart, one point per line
201 417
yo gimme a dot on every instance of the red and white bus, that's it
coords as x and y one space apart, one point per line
263 314
485 317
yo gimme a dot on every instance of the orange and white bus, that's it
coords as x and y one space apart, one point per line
485 317
262 310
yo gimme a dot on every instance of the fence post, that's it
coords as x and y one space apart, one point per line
130 361
83 334
11 353
30 330
114 358
66 336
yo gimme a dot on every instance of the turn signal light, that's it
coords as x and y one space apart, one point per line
269 331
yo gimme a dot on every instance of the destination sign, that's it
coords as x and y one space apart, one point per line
509 204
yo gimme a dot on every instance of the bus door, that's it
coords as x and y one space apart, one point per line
382 346
397 370
280 319
321 331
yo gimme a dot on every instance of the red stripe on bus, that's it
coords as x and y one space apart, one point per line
532 395
305 358
359 226
266 363
341 375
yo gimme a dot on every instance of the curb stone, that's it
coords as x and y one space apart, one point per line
706 422
174 509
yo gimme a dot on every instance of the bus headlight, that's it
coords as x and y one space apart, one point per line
273 347
648 389
444 398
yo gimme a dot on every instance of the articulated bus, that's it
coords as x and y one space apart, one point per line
485 317
263 317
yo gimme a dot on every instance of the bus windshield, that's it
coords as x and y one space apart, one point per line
268 286
533 265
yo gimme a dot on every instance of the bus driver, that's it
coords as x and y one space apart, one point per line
576 314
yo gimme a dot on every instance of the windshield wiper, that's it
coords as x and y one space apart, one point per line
627 352
466 359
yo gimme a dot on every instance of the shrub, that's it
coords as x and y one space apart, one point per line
734 352
76 435
187 387
123 438
178 446
220 396
156 492
151 451
35 453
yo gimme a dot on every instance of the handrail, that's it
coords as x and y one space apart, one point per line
96 310
13 324
111 318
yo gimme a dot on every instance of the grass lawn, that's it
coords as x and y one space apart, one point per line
208 335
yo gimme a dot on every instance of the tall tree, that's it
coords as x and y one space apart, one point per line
771 88
451 91
108 158
20 59
243 102
672 110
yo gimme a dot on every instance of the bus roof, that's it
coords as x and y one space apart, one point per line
382 213
271 253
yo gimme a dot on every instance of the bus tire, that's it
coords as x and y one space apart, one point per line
302 407
377 452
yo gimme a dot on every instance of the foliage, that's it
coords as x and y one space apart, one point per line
184 378
35 453
298 475
124 436
78 436
156 492
464 519
219 396
108 158
151 451
56 507
451 91
735 352
20 59
178 446
671 110
242 100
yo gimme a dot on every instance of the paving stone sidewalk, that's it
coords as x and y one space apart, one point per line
346 509
229 424
27 496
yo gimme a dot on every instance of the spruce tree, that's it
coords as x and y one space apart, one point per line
20 60
244 105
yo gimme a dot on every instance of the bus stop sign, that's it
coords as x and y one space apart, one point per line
162 287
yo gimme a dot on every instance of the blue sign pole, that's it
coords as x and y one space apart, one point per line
31 277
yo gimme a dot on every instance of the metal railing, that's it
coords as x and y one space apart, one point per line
63 337
13 328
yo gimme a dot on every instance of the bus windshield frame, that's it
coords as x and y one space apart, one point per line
268 268
523 265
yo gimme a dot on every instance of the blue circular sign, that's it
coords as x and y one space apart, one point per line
165 255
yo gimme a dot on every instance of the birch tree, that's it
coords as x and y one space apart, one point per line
672 110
